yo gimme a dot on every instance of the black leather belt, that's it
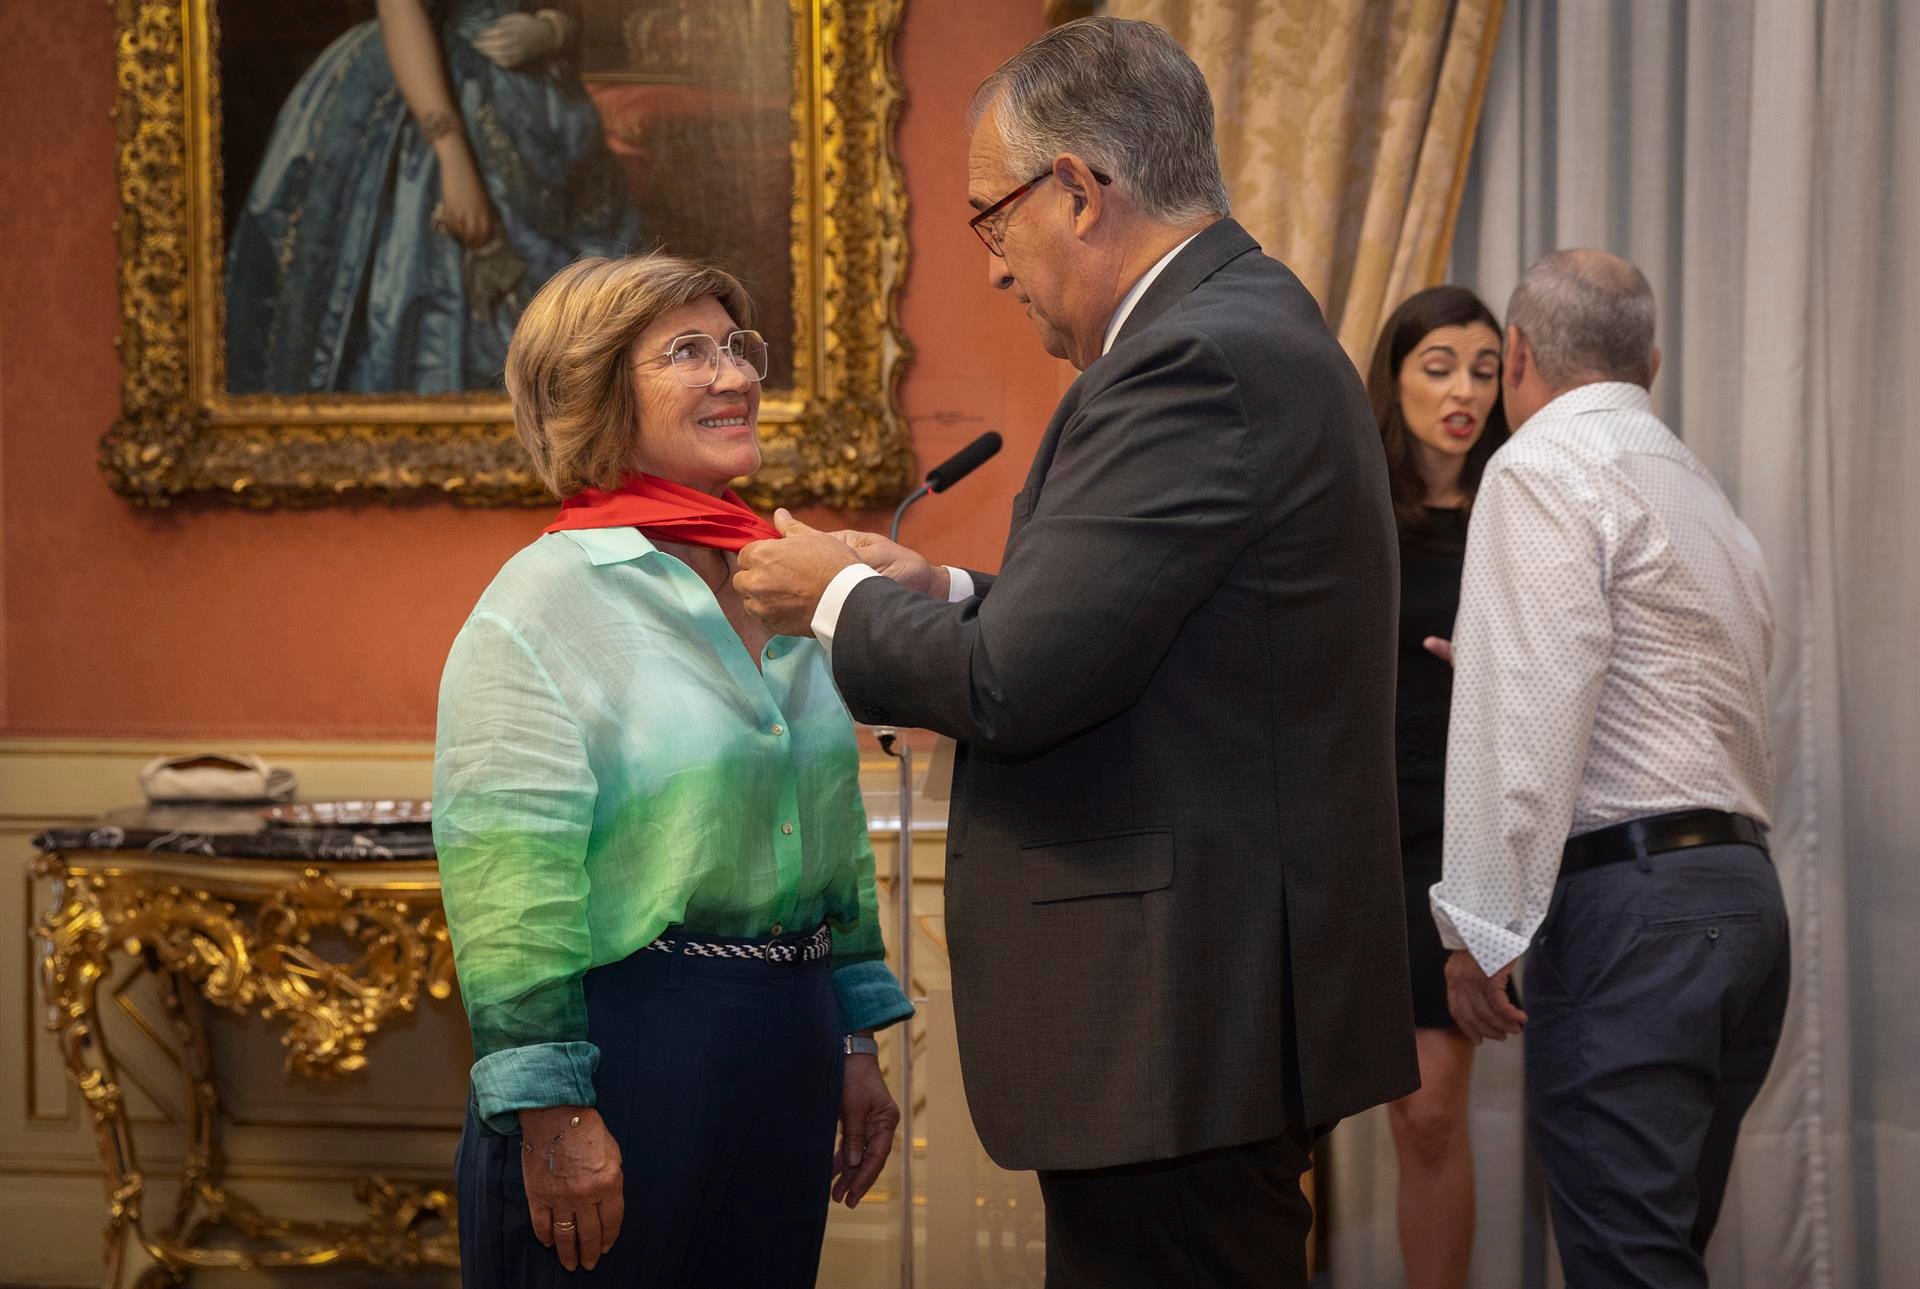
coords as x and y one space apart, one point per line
1656 834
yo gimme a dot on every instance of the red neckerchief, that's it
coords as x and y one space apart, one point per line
668 512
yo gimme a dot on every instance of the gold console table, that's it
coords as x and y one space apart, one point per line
238 919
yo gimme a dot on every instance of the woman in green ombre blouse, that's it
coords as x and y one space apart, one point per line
652 844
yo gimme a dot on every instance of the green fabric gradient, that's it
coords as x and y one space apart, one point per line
609 764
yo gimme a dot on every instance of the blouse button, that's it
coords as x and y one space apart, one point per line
776 929
787 828
777 730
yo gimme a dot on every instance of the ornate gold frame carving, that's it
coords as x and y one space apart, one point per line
836 439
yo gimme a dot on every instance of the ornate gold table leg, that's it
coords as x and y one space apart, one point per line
200 1169
73 962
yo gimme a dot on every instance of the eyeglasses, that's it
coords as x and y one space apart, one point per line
695 357
991 233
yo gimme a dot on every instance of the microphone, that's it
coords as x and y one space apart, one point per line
939 479
964 462
949 472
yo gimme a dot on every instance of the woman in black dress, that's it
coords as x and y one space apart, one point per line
1435 386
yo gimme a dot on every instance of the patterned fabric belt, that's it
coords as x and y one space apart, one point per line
784 952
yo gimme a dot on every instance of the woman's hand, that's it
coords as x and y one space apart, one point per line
465 211
520 38
868 1118
575 1189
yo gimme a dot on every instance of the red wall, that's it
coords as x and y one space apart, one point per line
333 624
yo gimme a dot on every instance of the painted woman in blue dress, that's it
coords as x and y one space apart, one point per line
433 168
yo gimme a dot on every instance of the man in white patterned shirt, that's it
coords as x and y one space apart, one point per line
1609 779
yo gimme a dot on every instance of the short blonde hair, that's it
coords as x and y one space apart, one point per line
567 370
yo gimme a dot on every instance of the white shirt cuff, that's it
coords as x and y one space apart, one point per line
1441 912
959 585
1493 947
826 614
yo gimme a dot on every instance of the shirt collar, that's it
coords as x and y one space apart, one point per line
610 545
1600 396
1134 293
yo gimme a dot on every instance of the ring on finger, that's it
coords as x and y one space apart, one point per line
564 1226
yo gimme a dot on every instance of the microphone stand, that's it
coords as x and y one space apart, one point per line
896 747
938 479
903 877
900 512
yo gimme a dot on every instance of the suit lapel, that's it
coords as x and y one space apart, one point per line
1214 247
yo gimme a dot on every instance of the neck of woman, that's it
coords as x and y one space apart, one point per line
713 565
1441 472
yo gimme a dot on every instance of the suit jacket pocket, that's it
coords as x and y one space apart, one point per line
1124 863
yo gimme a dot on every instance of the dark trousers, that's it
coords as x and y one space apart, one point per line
1219 1220
1654 994
720 1080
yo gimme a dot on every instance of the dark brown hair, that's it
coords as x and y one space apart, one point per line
1419 316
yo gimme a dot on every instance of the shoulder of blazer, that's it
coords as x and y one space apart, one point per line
1212 249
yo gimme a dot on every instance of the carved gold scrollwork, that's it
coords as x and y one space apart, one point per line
207 952
330 1007
836 439
334 1007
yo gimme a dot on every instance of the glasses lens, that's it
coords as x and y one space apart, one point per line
987 235
748 349
695 359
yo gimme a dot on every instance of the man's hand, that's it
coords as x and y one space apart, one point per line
896 562
780 582
868 1118
575 1190
1439 648
1479 1002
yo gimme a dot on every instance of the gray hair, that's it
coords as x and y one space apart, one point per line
1125 98
1589 317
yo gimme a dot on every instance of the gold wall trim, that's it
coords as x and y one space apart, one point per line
837 438
45 781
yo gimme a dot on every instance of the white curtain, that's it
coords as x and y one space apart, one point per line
1761 162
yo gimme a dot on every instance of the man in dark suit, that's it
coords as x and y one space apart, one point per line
1173 886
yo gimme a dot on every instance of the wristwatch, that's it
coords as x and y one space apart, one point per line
858 1046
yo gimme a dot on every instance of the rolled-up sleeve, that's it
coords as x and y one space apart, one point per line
513 809
869 993
1531 644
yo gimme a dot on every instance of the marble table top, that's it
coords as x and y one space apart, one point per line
235 832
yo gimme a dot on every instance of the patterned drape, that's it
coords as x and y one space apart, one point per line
1344 130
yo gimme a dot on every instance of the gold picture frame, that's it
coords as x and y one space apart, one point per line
837 438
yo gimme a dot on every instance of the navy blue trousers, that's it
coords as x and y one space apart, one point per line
720 1080
1655 995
